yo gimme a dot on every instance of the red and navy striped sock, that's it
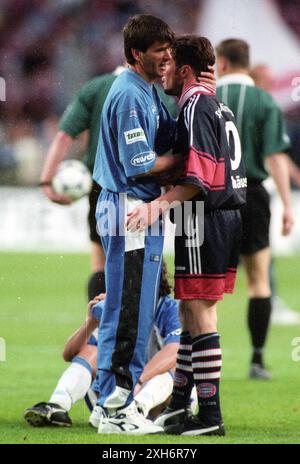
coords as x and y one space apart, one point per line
207 362
183 380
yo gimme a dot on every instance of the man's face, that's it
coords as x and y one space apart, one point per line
153 60
171 79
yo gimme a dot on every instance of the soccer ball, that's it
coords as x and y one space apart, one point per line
72 179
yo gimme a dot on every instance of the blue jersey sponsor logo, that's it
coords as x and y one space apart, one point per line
135 135
175 333
141 159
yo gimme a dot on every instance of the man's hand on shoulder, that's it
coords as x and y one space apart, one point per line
208 77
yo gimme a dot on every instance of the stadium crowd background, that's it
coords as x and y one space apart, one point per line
49 48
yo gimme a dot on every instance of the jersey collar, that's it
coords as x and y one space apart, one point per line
236 78
195 89
140 80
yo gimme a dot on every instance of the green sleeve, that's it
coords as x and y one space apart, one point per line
77 115
168 101
274 135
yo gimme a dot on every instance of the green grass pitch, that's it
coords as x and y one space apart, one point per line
43 302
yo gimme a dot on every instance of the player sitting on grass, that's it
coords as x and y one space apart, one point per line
154 386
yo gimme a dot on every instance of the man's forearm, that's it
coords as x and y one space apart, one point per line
294 172
79 339
163 164
162 361
146 214
57 152
279 170
179 194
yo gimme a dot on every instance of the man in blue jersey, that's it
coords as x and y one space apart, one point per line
135 130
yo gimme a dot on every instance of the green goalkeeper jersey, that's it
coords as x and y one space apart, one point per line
84 111
258 119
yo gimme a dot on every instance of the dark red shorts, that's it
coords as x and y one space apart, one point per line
207 270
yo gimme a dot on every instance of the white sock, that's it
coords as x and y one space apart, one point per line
73 385
154 392
194 401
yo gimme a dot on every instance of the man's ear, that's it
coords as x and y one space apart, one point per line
136 54
185 71
222 64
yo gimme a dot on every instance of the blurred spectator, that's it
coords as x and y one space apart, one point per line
26 152
7 159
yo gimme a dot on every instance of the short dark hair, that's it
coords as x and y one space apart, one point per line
236 51
142 31
195 51
165 287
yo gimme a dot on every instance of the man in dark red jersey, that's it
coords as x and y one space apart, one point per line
205 264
